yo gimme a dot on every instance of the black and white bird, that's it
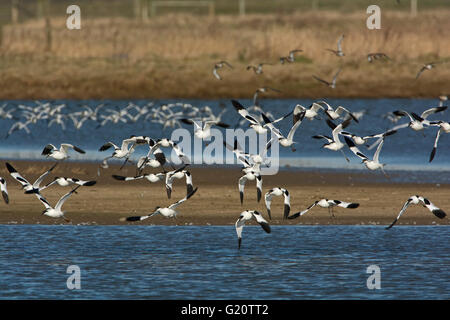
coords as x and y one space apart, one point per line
334 114
444 127
278 192
27 186
61 153
4 190
155 157
311 113
151 177
373 164
417 122
218 66
334 144
362 140
326 203
254 123
119 153
377 56
287 141
248 215
64 182
56 212
339 51
291 57
425 202
331 84
426 66
251 174
168 212
202 130
258 69
178 174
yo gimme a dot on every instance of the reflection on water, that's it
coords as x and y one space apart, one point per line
192 262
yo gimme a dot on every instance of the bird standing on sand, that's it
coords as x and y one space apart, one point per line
248 215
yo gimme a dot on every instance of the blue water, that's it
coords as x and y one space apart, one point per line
407 150
192 262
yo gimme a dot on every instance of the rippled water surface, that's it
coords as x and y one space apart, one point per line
203 262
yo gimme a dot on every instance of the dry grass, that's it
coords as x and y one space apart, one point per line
173 56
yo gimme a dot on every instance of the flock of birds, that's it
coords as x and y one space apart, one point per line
202 119
338 52
337 118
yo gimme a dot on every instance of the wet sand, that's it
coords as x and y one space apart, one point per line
217 199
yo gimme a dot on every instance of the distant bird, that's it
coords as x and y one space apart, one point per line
4 190
426 66
376 56
262 90
27 186
442 99
326 203
339 51
218 66
278 192
291 57
56 212
248 215
425 202
204 132
61 153
258 69
168 212
331 84
64 182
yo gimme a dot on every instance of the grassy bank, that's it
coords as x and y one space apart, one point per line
173 56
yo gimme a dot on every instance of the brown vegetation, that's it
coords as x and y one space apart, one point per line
173 56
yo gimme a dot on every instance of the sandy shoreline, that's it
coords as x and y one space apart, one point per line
217 199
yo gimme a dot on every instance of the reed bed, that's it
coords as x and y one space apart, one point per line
173 56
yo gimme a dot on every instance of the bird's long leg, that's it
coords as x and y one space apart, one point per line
387 176
344 155
125 162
